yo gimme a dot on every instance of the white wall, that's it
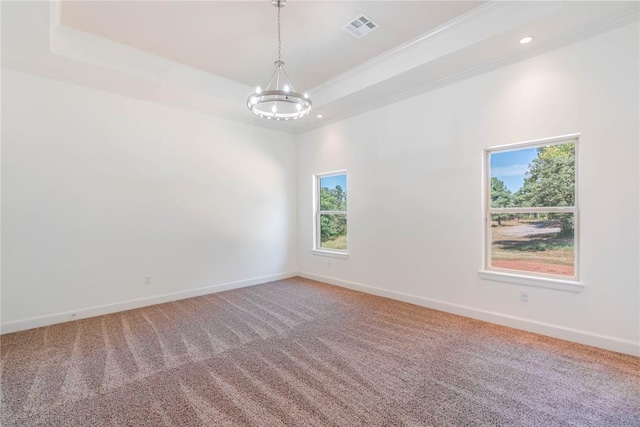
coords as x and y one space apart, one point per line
100 190
415 181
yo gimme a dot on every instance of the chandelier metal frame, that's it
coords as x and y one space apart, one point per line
279 100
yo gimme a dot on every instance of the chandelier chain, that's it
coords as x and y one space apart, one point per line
279 38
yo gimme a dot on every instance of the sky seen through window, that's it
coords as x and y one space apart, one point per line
510 167
332 182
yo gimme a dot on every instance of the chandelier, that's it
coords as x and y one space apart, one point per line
279 100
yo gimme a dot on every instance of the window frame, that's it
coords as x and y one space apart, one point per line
317 213
522 277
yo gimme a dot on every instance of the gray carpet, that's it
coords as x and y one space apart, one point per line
296 353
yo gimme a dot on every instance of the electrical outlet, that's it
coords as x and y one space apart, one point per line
524 296
147 280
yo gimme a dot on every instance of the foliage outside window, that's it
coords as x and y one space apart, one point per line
531 208
331 212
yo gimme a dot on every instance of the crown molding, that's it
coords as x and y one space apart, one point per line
354 92
475 13
472 28
586 33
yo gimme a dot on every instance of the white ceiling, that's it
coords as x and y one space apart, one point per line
238 40
207 55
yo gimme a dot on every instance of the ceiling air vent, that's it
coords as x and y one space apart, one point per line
361 26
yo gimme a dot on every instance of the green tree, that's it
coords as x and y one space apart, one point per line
550 181
501 197
333 199
333 226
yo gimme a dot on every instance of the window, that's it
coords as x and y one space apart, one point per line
331 212
531 208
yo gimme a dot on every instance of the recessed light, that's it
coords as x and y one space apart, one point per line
526 40
319 116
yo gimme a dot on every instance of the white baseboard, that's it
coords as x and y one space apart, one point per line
83 313
556 331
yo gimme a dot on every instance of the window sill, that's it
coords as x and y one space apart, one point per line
539 282
332 254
